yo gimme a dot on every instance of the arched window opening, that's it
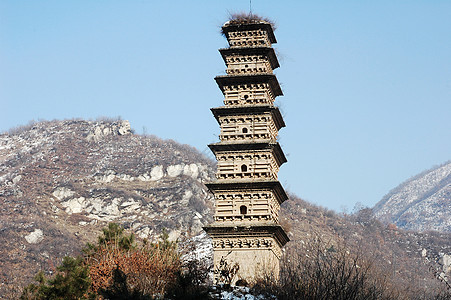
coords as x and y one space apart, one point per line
244 130
243 210
246 96
243 168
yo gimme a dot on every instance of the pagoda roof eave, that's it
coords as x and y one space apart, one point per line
234 185
252 50
224 80
252 110
246 146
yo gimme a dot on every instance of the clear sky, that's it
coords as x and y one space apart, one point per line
367 84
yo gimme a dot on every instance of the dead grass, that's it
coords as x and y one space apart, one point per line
242 18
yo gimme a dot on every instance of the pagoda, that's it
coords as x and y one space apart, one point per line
246 235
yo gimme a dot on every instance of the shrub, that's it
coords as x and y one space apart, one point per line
118 264
116 267
326 271
191 282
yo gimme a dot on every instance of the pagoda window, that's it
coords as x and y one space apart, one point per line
243 209
243 168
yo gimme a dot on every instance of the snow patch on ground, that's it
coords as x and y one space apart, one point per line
202 250
240 293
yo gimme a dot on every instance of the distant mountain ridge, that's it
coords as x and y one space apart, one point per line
421 203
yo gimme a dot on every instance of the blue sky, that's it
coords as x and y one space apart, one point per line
367 84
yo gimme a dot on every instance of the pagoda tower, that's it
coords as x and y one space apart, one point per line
247 237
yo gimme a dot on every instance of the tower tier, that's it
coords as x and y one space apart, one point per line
249 35
254 89
243 124
248 185
248 160
249 60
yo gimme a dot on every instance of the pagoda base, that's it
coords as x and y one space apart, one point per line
244 254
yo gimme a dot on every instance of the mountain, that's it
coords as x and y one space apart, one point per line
61 182
421 203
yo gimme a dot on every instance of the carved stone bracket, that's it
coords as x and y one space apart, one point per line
243 243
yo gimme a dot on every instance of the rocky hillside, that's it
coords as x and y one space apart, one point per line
406 258
62 181
421 203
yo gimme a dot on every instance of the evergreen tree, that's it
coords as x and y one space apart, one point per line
71 281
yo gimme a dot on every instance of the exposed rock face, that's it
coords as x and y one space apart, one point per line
421 203
445 260
35 237
104 129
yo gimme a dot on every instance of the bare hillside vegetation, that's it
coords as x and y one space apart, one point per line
421 203
61 182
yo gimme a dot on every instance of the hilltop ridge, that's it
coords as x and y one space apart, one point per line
421 203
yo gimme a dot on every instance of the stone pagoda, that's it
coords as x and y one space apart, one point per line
247 237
